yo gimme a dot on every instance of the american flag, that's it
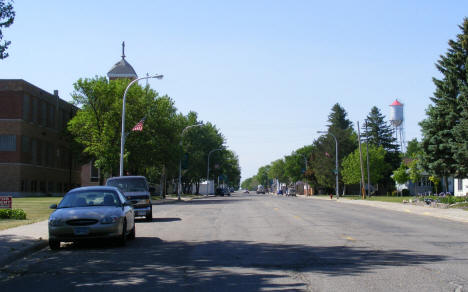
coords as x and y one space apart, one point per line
139 126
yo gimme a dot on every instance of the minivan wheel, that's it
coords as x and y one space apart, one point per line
149 215
54 244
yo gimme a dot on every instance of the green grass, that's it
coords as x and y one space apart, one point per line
463 206
381 198
37 209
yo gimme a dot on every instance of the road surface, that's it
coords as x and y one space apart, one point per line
260 243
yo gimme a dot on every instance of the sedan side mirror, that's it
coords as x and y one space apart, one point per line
53 206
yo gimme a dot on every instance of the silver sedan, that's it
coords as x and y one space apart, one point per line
91 213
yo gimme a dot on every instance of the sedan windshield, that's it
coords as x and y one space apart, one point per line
129 185
90 199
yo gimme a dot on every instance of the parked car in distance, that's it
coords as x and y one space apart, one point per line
219 192
280 192
246 191
226 192
91 213
260 189
291 192
137 191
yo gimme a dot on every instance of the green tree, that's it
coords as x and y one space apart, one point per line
400 175
380 133
262 175
250 183
444 125
323 154
294 167
7 16
352 168
460 131
277 171
413 149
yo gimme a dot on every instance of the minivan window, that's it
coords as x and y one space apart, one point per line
129 185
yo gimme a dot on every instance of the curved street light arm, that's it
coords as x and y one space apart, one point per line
180 160
122 137
336 160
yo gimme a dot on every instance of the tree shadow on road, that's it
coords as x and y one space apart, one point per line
149 263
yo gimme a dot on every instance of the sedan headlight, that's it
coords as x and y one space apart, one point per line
109 220
53 221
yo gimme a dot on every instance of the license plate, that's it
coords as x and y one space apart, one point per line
81 230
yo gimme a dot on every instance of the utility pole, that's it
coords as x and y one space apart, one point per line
368 171
363 190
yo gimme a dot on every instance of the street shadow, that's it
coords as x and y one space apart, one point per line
166 219
148 264
143 220
220 201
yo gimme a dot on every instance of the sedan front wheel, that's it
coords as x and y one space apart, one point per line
123 237
54 244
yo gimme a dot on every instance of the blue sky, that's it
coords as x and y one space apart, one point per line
265 72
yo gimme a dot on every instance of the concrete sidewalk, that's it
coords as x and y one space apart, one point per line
449 214
20 241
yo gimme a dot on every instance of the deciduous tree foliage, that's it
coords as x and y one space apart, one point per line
7 16
352 168
97 126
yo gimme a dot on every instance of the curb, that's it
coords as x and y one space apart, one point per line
14 256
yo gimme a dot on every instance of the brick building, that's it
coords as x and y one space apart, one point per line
35 156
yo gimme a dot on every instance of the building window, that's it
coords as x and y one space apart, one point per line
24 185
40 159
43 113
50 187
34 151
94 173
7 143
25 144
42 187
26 102
460 184
50 155
51 116
34 110
33 186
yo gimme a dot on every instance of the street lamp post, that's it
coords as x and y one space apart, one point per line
180 160
208 169
336 160
122 138
307 186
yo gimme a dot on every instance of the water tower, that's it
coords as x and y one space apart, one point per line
397 119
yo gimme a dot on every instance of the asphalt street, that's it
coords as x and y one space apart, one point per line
260 242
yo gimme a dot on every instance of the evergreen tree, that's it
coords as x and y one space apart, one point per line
460 131
379 132
443 129
323 154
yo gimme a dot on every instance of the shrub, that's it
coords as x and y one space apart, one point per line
452 199
12 214
405 192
